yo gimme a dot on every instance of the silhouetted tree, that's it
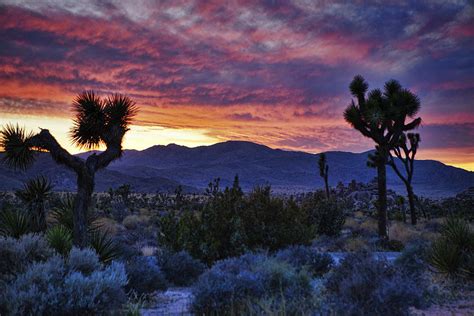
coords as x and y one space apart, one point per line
34 194
381 116
98 121
405 150
324 171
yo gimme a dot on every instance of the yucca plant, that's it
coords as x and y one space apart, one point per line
452 253
63 214
34 194
60 239
98 121
14 223
107 249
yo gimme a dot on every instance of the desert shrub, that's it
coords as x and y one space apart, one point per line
230 283
452 253
230 224
98 293
49 288
327 215
83 260
60 239
300 256
412 260
273 223
390 244
362 285
144 275
14 223
16 254
181 269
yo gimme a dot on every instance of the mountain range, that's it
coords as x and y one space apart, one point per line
163 168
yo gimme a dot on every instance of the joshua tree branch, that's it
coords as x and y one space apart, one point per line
45 141
113 139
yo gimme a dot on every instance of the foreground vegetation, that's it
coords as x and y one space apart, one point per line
254 253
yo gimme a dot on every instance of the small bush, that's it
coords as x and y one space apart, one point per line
83 260
16 254
326 214
60 238
301 256
144 275
412 260
49 288
181 269
362 285
229 284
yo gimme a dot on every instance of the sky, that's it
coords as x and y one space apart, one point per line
272 72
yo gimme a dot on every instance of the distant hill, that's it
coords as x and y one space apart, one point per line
164 167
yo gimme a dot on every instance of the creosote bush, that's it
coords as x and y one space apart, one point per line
230 223
327 214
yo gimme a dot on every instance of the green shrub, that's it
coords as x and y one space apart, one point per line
273 223
181 269
230 223
60 239
452 253
327 215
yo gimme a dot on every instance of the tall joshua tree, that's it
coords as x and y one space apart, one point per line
98 121
324 171
405 150
381 116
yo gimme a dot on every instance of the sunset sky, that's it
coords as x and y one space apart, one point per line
271 72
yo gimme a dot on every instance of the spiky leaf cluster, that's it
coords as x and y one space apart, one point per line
35 190
379 113
96 117
14 141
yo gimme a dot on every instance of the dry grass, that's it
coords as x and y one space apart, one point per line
356 244
133 221
403 232
109 225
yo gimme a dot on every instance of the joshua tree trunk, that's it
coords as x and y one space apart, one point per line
82 202
327 185
382 198
411 202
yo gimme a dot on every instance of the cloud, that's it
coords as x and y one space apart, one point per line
272 71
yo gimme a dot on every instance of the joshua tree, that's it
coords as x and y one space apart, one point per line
323 171
34 194
98 121
405 150
381 116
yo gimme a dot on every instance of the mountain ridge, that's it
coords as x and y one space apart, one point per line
163 167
